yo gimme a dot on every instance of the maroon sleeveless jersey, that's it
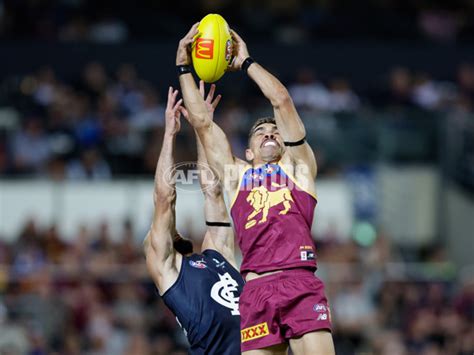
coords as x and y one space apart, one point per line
272 218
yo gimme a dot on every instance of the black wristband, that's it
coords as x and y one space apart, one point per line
294 144
246 64
218 224
183 69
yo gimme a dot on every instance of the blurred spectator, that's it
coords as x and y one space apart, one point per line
77 29
87 295
399 93
233 119
30 148
439 25
151 113
87 128
307 93
284 20
126 90
341 97
352 308
465 80
90 166
3 159
104 126
54 247
45 87
108 30
13 337
426 93
94 80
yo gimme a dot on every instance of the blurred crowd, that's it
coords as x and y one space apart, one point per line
283 20
106 124
92 295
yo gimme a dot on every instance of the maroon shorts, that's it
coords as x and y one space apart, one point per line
282 306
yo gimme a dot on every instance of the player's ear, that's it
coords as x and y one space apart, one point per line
249 154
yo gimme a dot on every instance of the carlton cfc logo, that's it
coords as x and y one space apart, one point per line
204 48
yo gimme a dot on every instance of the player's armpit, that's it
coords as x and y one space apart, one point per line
221 239
164 272
302 158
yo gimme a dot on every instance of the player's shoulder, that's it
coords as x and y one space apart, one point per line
241 165
300 158
205 259
234 175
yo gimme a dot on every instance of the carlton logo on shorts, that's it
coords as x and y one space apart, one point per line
255 332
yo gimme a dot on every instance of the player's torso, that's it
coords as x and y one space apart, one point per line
205 301
272 217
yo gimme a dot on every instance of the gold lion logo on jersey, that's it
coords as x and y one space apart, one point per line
262 200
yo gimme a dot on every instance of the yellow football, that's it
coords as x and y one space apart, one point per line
212 48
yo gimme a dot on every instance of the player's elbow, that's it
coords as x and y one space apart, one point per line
163 198
281 98
203 121
212 191
199 117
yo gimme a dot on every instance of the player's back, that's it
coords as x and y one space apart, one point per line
204 299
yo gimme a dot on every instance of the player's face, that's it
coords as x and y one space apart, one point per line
266 144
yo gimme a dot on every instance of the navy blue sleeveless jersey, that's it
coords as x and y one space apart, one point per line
205 300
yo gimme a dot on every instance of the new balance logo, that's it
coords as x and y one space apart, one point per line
323 316
255 332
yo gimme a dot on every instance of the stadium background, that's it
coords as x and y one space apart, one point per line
385 89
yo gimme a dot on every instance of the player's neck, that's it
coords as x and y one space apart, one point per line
258 164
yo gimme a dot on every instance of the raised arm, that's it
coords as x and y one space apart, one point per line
214 140
161 258
289 123
220 235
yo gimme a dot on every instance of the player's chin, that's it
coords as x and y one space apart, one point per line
270 153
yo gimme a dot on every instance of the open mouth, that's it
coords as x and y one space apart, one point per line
269 143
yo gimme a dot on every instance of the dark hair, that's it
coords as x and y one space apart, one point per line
183 246
260 122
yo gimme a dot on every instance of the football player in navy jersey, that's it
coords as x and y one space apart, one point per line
202 290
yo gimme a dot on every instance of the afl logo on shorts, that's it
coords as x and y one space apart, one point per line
200 264
204 48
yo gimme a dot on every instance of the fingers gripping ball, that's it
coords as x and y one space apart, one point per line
212 48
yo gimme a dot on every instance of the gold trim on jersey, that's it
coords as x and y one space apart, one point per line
292 177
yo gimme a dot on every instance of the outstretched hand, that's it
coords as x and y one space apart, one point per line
240 52
173 112
211 103
183 55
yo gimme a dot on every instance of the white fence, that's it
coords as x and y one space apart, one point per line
72 204
406 205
